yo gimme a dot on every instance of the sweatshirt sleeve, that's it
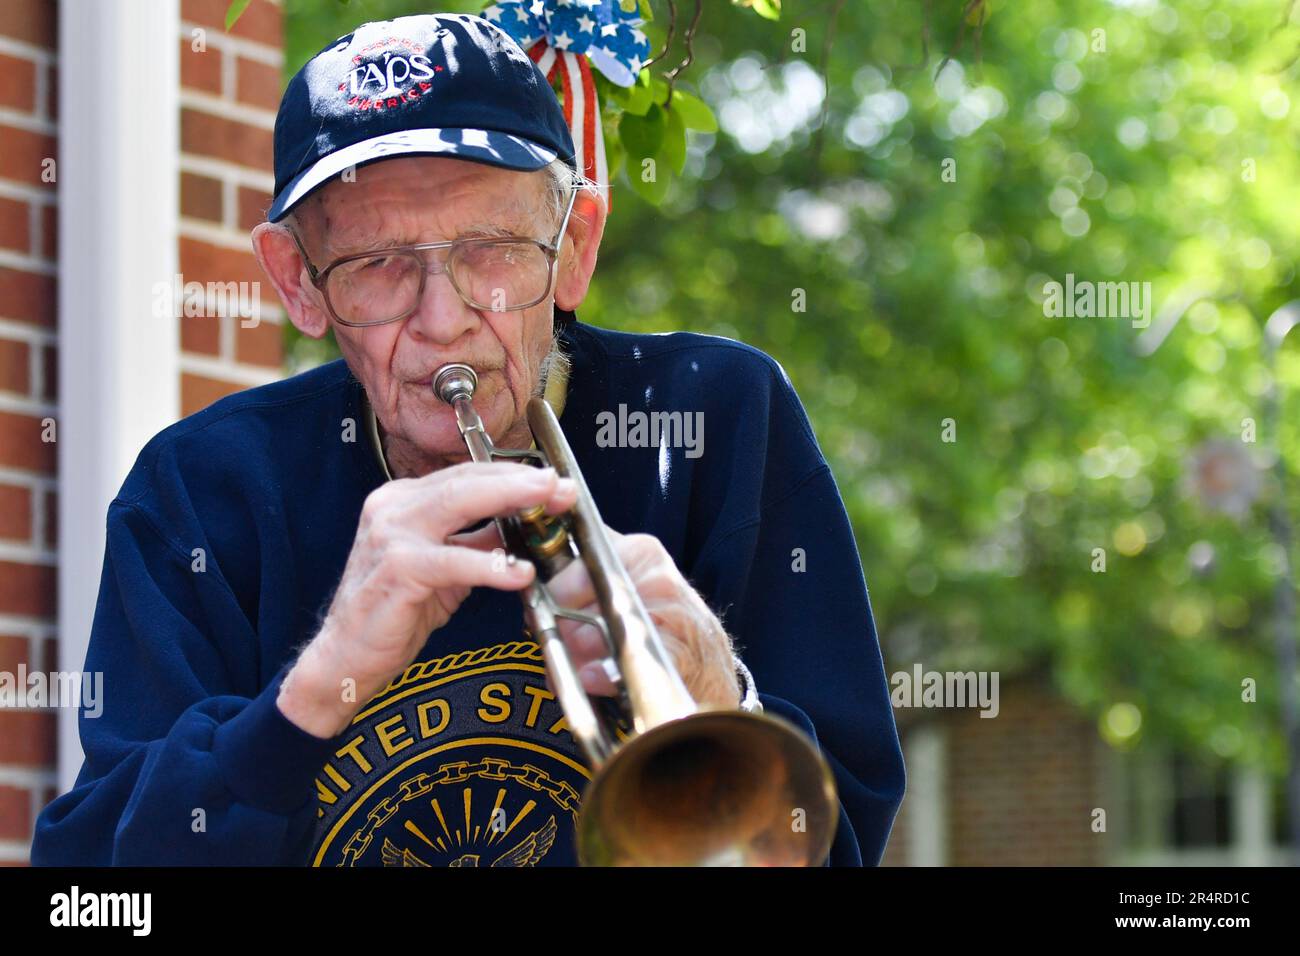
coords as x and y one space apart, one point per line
189 760
789 587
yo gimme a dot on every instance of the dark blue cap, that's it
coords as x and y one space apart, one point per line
444 84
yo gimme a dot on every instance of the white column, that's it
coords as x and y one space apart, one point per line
119 378
927 795
1252 817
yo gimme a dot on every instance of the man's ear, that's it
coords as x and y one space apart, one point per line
280 259
578 260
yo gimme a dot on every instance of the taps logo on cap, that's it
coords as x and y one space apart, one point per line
395 72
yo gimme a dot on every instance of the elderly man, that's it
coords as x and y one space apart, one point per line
312 654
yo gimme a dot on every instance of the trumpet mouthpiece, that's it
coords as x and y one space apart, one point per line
452 381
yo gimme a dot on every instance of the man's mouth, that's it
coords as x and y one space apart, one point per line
426 380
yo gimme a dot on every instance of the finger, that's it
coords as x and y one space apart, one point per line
584 642
595 680
478 490
440 567
572 587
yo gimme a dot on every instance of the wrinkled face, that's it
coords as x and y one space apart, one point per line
431 199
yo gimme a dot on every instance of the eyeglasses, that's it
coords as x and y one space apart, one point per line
385 285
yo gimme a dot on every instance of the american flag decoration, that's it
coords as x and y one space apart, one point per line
566 37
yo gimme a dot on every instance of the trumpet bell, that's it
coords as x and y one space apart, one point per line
716 788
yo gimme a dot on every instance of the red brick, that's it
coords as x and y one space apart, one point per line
15 514
200 333
199 391
52 520
45 655
28 296
54 92
253 204
51 359
24 154
262 21
258 84
27 737
28 589
203 134
21 445
14 651
50 232
262 344
205 262
17 83
15 367
200 69
32 21
15 813
200 197
15 225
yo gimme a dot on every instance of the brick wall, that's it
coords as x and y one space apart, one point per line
1020 788
28 391
230 88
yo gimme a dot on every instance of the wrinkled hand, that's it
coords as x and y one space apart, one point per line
692 633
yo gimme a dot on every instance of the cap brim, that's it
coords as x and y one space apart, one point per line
479 145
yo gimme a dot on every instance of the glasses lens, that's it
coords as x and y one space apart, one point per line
375 289
500 275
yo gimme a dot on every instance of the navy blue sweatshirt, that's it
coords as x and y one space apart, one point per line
232 530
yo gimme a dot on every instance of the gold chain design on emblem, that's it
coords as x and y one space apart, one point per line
422 670
488 768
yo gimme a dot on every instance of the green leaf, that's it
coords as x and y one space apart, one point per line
642 135
695 112
768 9
235 11
636 98
647 14
643 138
653 191
673 149
615 154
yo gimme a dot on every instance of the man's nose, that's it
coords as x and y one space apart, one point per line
441 316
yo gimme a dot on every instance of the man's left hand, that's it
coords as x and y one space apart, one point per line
691 632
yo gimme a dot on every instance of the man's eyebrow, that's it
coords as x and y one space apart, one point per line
511 223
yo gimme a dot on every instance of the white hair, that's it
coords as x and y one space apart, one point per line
566 180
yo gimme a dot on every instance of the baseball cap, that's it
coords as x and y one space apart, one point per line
434 84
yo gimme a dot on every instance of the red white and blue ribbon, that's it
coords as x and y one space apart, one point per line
568 37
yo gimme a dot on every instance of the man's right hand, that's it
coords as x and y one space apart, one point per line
407 574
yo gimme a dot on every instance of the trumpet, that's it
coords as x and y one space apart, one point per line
686 786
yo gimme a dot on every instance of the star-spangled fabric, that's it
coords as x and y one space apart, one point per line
609 35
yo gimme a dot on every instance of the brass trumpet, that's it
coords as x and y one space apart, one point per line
688 786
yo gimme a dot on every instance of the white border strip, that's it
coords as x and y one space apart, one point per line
119 372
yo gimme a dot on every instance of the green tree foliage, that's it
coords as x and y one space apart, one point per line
889 243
